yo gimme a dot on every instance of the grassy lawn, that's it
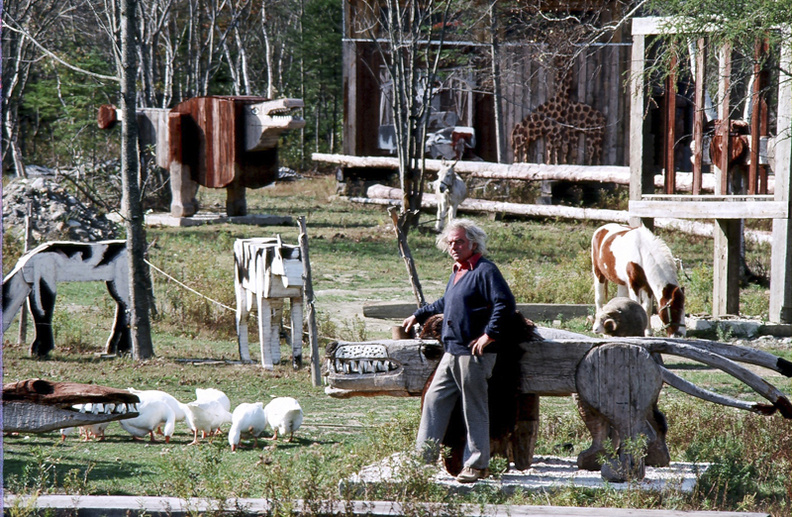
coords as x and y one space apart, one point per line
354 258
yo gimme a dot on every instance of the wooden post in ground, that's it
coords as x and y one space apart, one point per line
313 334
727 233
404 250
781 258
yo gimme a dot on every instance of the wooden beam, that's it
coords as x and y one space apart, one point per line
178 507
710 209
724 83
669 123
726 268
532 311
637 117
528 171
781 258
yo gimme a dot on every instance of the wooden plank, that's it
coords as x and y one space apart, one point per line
618 174
726 268
636 119
710 209
781 258
532 311
669 127
119 506
698 115
707 198
724 82
562 212
550 370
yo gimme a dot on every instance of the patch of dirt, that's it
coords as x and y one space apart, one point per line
344 313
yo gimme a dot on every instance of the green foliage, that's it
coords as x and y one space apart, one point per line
58 111
561 284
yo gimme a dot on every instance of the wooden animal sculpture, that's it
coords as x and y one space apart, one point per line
284 416
247 421
450 191
642 267
217 142
621 317
38 271
739 151
206 416
560 122
153 414
272 271
206 394
179 409
450 143
617 381
39 405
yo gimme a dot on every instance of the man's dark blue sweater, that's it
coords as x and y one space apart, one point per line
480 302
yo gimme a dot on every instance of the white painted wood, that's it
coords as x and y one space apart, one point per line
781 258
117 505
529 171
272 272
704 209
616 216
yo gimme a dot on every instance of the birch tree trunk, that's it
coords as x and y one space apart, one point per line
496 81
132 209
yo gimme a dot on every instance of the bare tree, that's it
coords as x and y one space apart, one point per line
132 208
27 27
410 47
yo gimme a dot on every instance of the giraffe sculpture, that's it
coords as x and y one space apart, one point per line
560 121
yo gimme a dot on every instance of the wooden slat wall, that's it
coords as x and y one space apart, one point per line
599 77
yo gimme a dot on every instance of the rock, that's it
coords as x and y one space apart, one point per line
56 214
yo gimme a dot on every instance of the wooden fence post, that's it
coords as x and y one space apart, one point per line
313 334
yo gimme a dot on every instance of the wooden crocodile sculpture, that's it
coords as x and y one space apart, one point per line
618 381
39 405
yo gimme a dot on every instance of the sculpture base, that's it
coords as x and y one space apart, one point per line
166 219
547 473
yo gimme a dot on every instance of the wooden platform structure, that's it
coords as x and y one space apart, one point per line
727 210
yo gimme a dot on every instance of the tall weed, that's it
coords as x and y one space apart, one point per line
557 283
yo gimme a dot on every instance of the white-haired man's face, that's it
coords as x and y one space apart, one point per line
459 246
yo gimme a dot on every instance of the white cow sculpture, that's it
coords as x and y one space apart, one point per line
450 191
272 271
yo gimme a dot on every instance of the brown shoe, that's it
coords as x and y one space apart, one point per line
471 475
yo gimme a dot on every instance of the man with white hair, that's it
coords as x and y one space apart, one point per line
477 307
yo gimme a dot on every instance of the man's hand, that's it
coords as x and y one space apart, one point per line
478 345
409 322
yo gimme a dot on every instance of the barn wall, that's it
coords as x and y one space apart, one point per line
599 78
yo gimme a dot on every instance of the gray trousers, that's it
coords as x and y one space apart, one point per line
458 376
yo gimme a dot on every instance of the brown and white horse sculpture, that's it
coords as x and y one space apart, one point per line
642 267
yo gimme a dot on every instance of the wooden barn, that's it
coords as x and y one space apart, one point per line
581 82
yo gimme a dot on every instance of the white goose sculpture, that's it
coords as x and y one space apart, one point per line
153 414
284 415
206 416
247 420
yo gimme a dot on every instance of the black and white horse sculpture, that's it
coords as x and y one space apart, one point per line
38 271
